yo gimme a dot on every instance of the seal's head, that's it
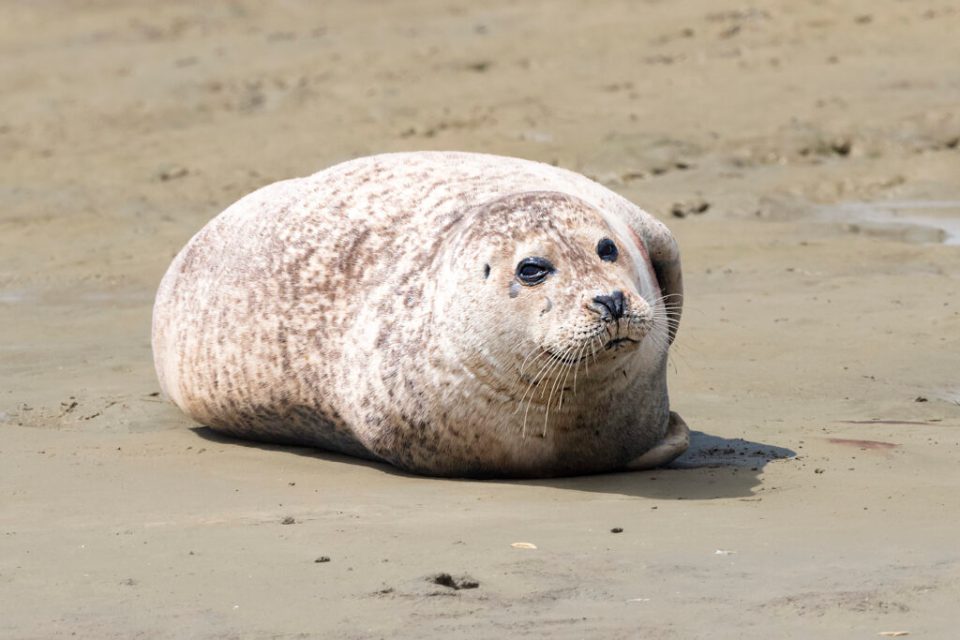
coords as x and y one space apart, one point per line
542 281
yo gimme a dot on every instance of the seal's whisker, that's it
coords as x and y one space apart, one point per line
530 355
553 388
561 375
543 389
557 363
536 379
671 323
675 299
520 380
532 358
672 309
576 365
567 375
529 389
667 314
677 354
662 342
672 303
523 430
546 414
528 381
591 353
541 375
548 373
576 368
658 341
678 296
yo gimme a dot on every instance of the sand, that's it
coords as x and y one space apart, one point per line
817 360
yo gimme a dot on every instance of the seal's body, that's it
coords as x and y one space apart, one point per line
449 313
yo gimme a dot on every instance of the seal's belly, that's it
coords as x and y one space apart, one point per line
568 445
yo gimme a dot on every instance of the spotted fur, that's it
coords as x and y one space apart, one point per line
373 309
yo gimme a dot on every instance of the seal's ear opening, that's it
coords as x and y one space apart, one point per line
486 271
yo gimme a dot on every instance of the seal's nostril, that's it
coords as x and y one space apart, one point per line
613 305
618 302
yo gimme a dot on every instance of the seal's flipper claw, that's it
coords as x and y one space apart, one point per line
674 443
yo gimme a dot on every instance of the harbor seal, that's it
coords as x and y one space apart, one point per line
452 314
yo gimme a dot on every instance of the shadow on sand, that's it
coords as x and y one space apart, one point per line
712 468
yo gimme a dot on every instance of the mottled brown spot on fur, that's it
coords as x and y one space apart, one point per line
350 262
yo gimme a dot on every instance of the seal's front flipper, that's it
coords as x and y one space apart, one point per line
675 442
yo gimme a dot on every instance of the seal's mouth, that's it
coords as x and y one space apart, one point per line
611 345
567 360
618 342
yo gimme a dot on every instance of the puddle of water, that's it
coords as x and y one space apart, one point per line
918 221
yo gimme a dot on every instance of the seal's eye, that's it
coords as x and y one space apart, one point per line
531 271
607 250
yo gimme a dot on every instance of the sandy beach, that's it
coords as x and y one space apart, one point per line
806 155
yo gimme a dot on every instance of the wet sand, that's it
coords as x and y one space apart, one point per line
817 359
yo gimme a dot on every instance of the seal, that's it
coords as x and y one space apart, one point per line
452 314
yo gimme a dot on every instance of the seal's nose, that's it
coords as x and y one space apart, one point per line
612 305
